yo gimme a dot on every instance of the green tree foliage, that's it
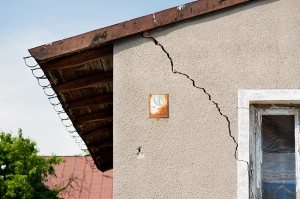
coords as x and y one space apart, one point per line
22 171
85 152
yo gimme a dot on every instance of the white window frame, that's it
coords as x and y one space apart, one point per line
255 143
245 99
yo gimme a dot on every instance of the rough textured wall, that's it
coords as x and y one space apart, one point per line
190 154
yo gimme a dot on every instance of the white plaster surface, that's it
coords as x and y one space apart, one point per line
190 154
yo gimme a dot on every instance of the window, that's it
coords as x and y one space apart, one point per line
268 141
272 153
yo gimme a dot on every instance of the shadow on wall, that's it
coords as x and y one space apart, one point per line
106 176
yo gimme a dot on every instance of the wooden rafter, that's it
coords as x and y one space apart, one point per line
104 152
100 142
102 131
78 59
86 82
99 100
105 166
106 114
101 151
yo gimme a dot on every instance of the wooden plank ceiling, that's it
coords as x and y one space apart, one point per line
84 85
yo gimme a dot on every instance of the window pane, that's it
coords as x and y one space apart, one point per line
278 160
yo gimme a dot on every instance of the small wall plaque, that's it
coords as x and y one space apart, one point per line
159 105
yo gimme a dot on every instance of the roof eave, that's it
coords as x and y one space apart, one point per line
106 35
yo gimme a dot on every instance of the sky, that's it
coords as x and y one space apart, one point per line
31 23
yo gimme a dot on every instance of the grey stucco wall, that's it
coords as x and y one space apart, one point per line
190 154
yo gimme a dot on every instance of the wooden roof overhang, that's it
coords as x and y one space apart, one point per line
80 70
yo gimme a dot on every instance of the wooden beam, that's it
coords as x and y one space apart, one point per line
103 159
104 144
104 166
99 136
105 36
78 59
103 152
86 82
106 114
97 141
101 131
98 100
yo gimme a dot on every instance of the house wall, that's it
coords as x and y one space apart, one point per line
191 154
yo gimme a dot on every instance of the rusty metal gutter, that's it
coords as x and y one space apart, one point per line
106 35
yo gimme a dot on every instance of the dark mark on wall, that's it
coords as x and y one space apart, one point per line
146 35
139 153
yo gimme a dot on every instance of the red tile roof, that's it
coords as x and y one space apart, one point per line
84 181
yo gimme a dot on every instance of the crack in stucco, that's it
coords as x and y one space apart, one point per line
146 35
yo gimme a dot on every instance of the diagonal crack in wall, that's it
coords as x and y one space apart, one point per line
146 35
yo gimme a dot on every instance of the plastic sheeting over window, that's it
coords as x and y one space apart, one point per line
278 159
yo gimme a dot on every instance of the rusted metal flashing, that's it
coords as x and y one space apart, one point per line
159 106
106 35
